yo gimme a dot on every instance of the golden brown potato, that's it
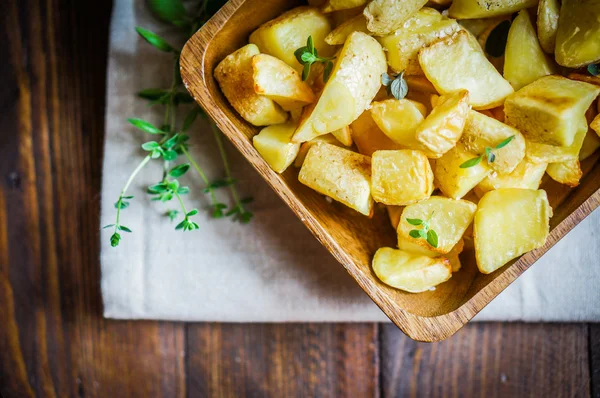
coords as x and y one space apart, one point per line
478 26
339 35
410 272
549 110
454 181
394 213
442 128
590 144
468 9
400 177
568 173
526 175
327 138
369 137
453 256
586 79
578 34
543 153
458 63
547 24
343 175
354 82
385 16
288 32
234 75
275 146
343 135
399 119
595 125
524 59
483 132
449 219
337 5
508 223
280 82
419 83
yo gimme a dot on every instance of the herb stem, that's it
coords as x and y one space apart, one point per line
181 203
140 166
197 167
232 187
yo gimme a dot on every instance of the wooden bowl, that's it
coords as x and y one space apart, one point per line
351 237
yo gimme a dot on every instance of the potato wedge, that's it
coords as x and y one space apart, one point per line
420 84
403 46
549 110
454 181
454 256
339 17
547 24
469 9
542 153
478 26
343 175
410 272
508 223
288 32
394 213
234 75
578 34
327 138
527 175
275 146
568 173
458 63
400 177
442 128
339 35
524 59
354 82
280 82
386 16
449 218
399 119
369 137
483 132
595 125
337 5
343 135
590 144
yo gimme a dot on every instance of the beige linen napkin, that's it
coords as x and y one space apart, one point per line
271 270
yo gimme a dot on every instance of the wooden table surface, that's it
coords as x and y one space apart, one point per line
54 341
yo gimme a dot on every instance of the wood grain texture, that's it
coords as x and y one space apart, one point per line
286 360
594 349
489 360
349 236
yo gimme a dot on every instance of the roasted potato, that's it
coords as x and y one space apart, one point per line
399 119
578 34
478 26
400 177
275 146
339 35
394 213
403 46
453 256
458 63
343 175
547 24
343 135
595 125
454 181
549 110
288 32
468 9
543 153
354 82
410 272
449 218
442 128
590 144
337 5
524 59
386 16
280 82
568 173
368 137
526 175
420 84
234 75
327 138
483 132
508 223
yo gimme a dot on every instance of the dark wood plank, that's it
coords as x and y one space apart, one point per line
489 360
594 342
53 339
283 360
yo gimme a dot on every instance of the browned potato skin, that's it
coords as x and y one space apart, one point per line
385 16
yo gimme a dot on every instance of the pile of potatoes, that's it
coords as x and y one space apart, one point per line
528 110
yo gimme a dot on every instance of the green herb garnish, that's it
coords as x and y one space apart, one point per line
491 157
395 84
308 55
594 69
424 233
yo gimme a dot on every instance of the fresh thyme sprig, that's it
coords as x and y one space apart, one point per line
424 233
491 157
594 69
308 55
173 141
395 84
